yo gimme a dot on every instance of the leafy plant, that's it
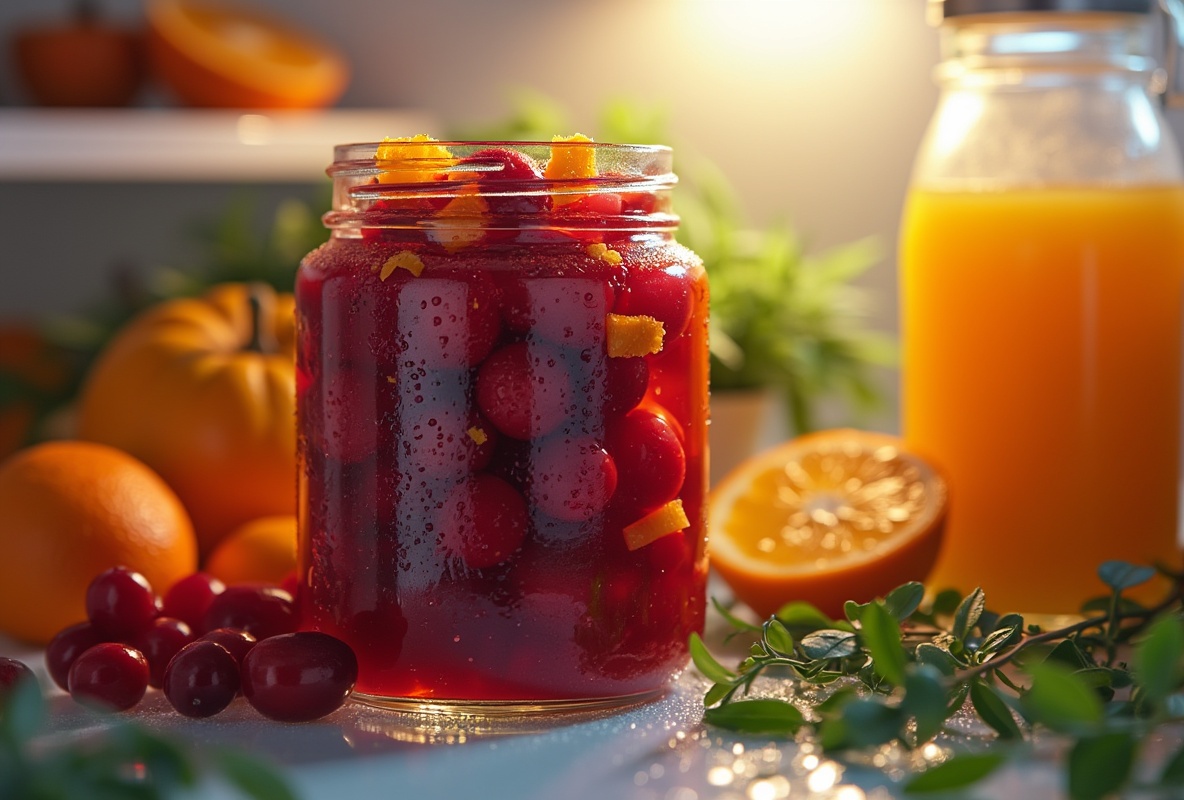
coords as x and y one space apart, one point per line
781 317
898 670
124 761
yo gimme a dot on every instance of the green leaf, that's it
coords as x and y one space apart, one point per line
732 619
706 663
881 636
938 657
869 722
778 638
1173 770
1060 700
946 602
716 693
253 777
967 614
829 644
854 611
1120 575
957 773
1069 653
757 716
1157 658
1099 765
925 699
994 710
24 713
1008 630
902 601
801 617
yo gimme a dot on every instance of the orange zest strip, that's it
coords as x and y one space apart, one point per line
632 336
458 224
404 259
662 521
414 159
477 435
601 251
570 162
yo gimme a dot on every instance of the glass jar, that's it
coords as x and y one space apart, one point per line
1042 270
502 403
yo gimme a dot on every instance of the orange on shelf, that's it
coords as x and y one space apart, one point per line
825 518
261 551
222 55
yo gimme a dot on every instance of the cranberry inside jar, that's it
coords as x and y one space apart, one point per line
502 401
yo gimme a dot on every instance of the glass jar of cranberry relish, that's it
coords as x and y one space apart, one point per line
502 402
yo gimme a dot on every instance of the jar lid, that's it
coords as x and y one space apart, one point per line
953 8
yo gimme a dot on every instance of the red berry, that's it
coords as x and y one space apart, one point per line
120 603
13 672
299 677
563 310
109 677
625 384
442 442
664 295
650 460
238 642
201 679
262 611
524 389
483 521
347 417
159 642
449 322
510 171
189 598
66 646
572 480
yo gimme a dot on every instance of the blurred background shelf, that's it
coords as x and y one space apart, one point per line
199 146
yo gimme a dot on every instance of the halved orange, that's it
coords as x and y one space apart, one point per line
219 55
825 518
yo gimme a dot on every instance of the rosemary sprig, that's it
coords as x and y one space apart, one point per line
899 669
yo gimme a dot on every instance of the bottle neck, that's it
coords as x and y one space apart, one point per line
1011 49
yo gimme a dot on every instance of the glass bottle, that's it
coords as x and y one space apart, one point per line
502 400
1042 271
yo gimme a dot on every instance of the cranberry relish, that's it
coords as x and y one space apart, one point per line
470 452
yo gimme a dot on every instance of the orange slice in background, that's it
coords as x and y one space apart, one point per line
222 55
825 518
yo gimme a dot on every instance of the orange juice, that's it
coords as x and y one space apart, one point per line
1042 367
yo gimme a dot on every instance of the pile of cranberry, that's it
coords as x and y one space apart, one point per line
202 644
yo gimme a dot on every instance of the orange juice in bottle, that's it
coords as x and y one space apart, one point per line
1042 275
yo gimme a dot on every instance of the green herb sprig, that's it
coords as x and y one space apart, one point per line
123 762
898 669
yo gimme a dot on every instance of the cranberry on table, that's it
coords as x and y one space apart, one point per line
109 677
298 677
120 602
262 611
189 598
572 479
13 672
159 642
66 646
524 389
238 642
483 521
201 679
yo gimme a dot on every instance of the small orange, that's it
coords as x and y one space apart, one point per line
223 55
825 518
68 511
261 551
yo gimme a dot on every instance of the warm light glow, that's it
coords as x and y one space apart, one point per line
823 778
777 27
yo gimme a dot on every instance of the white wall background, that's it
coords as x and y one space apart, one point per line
813 107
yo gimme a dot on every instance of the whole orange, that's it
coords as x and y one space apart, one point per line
68 511
203 390
262 551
